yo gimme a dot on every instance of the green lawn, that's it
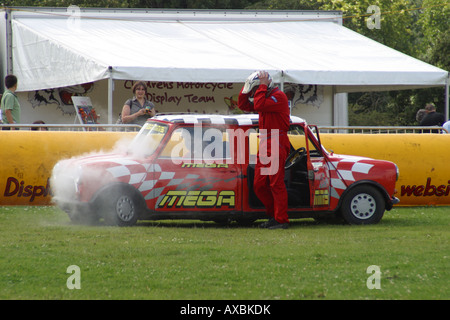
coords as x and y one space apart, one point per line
200 260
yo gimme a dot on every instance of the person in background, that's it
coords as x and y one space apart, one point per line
138 109
446 126
259 94
432 118
10 105
39 128
420 115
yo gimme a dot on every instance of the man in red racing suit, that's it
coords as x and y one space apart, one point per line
272 106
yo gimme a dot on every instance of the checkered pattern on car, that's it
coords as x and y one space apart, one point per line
241 119
346 171
153 183
143 176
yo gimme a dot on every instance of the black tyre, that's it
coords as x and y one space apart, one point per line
79 215
120 205
363 205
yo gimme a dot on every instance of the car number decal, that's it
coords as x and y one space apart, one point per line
197 199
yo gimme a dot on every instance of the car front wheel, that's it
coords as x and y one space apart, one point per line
120 206
363 205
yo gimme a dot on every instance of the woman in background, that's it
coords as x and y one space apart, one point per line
138 109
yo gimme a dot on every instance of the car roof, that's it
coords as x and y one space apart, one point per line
233 119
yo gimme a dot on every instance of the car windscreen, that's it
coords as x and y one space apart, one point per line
296 136
148 138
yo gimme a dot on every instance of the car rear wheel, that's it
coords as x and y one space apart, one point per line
120 205
363 205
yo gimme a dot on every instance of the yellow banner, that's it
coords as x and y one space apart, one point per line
28 157
423 161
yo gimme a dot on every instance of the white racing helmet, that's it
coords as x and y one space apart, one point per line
253 81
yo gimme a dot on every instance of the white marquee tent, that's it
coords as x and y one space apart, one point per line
55 48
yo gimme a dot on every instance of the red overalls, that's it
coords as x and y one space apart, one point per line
274 114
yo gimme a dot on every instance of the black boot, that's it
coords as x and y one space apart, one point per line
278 225
268 223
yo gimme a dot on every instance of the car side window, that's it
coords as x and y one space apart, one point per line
296 136
197 143
298 140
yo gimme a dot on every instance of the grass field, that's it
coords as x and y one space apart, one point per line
200 260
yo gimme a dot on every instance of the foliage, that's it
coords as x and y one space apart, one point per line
418 28
392 108
395 25
174 4
286 5
435 23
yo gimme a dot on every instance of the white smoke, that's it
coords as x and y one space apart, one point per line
68 173
193 145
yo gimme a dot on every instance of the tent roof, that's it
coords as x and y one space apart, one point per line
53 50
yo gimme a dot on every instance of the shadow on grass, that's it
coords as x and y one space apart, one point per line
396 218
298 223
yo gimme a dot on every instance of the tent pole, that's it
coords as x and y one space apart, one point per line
334 120
447 98
282 89
110 95
9 57
282 81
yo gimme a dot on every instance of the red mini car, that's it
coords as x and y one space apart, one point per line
202 166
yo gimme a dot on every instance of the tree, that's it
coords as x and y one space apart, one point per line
434 48
395 21
418 28
286 5
435 25
169 4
